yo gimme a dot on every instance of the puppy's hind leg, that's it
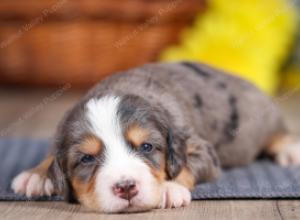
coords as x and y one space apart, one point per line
34 182
285 148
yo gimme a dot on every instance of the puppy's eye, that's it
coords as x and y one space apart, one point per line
146 147
87 159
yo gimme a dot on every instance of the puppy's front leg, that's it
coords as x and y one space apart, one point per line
200 165
34 182
174 195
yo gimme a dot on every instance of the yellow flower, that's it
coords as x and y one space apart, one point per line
250 38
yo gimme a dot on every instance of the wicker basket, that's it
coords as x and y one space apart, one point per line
80 42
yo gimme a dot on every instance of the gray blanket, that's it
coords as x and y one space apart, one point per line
262 179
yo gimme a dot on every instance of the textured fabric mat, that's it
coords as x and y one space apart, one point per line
262 179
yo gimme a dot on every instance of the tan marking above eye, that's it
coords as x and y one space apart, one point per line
137 135
91 145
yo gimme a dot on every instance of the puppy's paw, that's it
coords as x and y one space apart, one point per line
32 184
175 195
290 155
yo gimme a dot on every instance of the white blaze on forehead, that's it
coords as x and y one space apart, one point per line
104 120
103 117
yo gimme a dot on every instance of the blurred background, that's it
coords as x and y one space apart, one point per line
51 51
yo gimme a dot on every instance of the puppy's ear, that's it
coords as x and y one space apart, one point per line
57 177
60 180
175 153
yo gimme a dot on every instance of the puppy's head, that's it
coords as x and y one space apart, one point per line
113 154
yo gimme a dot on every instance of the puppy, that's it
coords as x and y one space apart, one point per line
143 138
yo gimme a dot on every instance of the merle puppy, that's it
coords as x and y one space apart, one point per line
143 138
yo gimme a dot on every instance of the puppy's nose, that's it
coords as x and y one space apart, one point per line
125 189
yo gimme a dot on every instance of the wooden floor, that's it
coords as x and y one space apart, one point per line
35 113
239 210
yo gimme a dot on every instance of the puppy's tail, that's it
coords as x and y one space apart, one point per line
285 148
